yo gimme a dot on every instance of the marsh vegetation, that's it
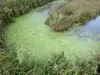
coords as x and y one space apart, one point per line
75 11
26 38
57 65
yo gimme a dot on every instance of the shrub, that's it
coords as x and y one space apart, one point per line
75 11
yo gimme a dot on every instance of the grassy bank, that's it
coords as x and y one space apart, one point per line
72 12
57 65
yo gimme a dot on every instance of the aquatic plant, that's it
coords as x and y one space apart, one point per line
57 65
75 11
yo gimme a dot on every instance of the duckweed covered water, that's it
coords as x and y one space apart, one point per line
33 39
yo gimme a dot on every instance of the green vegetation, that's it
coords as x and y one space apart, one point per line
13 8
57 65
61 20
75 11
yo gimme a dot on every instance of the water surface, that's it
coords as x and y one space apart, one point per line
33 39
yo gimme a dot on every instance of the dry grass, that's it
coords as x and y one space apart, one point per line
75 11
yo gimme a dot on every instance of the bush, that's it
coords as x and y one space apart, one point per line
75 11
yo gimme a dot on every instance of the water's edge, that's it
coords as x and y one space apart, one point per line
33 39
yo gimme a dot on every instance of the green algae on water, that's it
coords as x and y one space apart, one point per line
34 40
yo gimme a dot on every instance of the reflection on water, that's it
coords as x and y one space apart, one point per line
46 12
93 26
90 30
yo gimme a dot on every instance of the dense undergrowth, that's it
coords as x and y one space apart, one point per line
13 8
57 65
75 11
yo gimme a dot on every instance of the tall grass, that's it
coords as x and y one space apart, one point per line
13 8
57 65
75 11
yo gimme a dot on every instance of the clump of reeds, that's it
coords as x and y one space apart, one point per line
57 65
75 11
